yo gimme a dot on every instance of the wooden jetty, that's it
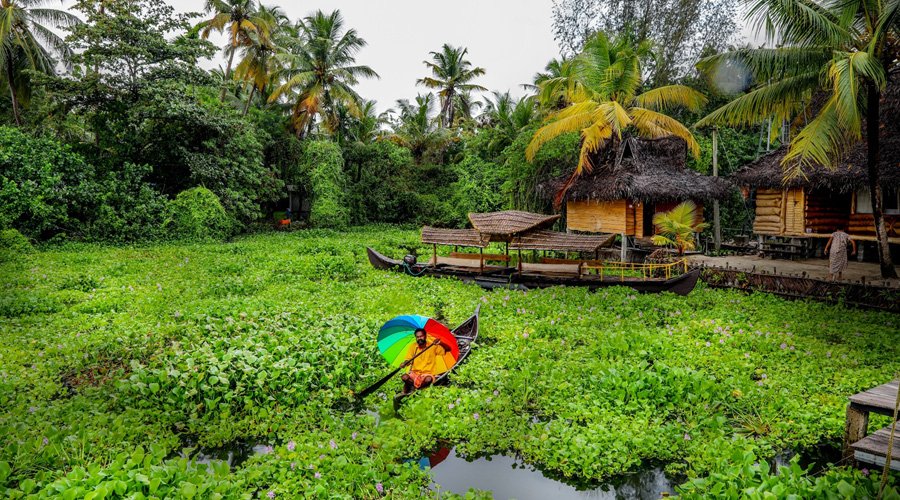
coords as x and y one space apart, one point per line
871 449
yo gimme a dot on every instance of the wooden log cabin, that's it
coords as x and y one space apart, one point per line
809 208
631 183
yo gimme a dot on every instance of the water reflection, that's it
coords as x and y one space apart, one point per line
510 477
234 453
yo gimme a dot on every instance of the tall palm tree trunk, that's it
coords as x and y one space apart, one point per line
12 92
249 99
227 73
872 159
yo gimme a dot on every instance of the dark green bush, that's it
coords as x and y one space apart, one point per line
380 183
128 209
12 240
478 188
198 214
44 186
323 166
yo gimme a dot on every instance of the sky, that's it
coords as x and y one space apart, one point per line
511 39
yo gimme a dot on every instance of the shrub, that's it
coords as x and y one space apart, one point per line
128 209
14 241
478 188
323 165
379 176
198 214
43 184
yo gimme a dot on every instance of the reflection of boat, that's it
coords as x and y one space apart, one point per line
434 458
544 276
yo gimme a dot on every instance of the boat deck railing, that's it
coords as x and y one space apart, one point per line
644 271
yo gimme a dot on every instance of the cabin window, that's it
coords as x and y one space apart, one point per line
863 202
891 201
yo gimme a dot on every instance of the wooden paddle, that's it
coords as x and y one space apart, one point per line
374 387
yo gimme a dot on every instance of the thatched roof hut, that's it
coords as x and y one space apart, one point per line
646 170
630 183
825 197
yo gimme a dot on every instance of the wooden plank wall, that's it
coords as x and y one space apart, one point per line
826 210
864 225
597 216
638 212
768 212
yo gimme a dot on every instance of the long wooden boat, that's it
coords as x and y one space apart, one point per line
466 334
511 278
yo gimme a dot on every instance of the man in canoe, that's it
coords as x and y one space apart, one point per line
421 358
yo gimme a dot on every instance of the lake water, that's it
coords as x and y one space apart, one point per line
509 477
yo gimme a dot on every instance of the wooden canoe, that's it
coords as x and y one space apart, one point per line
510 278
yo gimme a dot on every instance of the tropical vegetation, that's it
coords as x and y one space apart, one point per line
117 363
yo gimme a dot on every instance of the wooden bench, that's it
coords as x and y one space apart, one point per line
551 269
488 257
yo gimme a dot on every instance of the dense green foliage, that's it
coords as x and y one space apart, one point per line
197 214
324 167
113 359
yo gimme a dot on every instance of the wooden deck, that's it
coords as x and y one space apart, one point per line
871 448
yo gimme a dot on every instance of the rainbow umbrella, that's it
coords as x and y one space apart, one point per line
398 334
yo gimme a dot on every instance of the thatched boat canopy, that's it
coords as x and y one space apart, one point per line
850 173
455 237
502 226
648 170
566 242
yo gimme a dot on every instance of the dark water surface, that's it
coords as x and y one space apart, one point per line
508 476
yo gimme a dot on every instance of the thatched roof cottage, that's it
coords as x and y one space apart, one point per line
812 206
630 184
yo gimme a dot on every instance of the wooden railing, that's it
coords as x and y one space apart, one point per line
624 270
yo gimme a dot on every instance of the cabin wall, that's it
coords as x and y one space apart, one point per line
864 225
780 212
638 218
598 216
826 210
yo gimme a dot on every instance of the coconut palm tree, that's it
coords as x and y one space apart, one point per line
605 102
319 73
259 62
241 19
451 76
678 226
555 85
839 52
27 43
416 127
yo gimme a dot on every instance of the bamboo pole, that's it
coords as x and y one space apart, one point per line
717 227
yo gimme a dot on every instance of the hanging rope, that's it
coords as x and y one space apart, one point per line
409 270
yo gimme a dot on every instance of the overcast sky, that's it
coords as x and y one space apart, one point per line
510 39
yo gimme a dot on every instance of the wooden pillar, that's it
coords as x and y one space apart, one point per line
520 260
624 253
855 429
481 260
434 254
717 226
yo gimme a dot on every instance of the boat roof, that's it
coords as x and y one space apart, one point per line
568 242
458 237
502 226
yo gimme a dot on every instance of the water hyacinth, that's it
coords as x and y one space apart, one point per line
379 488
332 444
270 494
291 445
317 475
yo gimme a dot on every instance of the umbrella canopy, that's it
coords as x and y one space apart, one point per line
398 334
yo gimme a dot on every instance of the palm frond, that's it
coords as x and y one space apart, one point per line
572 119
653 125
671 96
